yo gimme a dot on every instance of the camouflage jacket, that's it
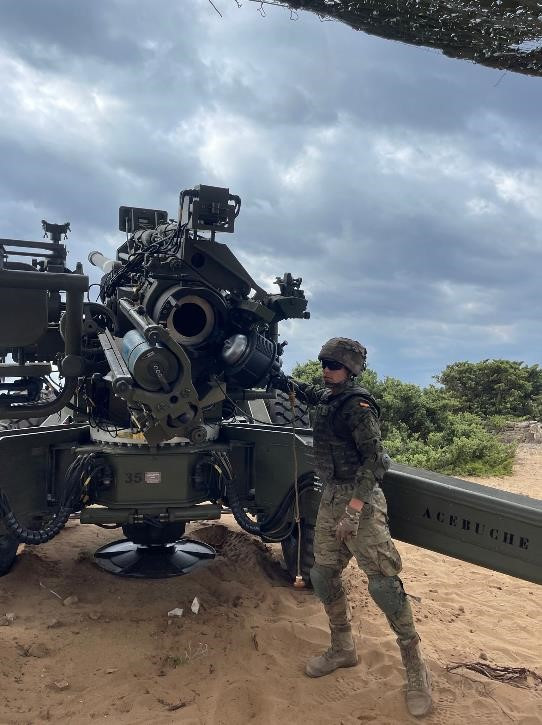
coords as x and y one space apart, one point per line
346 434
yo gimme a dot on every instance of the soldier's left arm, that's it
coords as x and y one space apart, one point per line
365 429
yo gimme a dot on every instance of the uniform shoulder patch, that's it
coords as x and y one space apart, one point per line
363 405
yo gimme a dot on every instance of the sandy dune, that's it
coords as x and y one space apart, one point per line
114 655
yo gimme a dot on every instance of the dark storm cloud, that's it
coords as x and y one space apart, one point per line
47 33
404 187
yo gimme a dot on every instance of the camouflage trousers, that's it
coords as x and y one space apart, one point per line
373 550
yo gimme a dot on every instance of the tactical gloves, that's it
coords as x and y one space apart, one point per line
348 525
281 382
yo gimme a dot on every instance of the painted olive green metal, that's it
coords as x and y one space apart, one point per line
483 525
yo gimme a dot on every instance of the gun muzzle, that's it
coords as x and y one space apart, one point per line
104 263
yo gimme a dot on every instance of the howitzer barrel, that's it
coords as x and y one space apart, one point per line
97 259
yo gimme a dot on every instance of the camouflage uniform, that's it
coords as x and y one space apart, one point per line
351 463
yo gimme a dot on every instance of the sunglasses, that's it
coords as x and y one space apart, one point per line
331 365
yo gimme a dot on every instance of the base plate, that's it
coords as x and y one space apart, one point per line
124 558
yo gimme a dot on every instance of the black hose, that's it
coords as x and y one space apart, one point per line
276 538
39 536
41 410
238 511
305 483
273 523
72 496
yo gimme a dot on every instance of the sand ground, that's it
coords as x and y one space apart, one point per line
114 655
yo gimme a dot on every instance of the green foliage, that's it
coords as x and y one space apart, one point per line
464 446
536 408
309 372
368 379
497 423
425 409
431 427
495 387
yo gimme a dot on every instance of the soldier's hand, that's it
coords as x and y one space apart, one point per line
348 525
281 382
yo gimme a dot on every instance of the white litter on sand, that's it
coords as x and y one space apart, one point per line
177 612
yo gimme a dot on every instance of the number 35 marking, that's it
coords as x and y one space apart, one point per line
133 477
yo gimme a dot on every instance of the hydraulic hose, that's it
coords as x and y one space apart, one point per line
73 491
279 515
31 536
41 410
273 523
237 510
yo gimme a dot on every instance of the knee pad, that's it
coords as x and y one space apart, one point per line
326 583
387 593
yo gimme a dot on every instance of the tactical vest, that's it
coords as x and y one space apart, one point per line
335 452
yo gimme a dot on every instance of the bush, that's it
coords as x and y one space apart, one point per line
309 372
464 446
430 427
423 410
495 387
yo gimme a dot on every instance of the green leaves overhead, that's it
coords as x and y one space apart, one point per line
503 34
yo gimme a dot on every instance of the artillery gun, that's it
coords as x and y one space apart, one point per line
163 409
147 430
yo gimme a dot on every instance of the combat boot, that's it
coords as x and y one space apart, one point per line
342 652
418 693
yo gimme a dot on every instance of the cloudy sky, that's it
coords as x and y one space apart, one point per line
404 187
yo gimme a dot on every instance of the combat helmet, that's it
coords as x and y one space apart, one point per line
350 353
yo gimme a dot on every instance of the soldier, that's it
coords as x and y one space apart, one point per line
352 518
